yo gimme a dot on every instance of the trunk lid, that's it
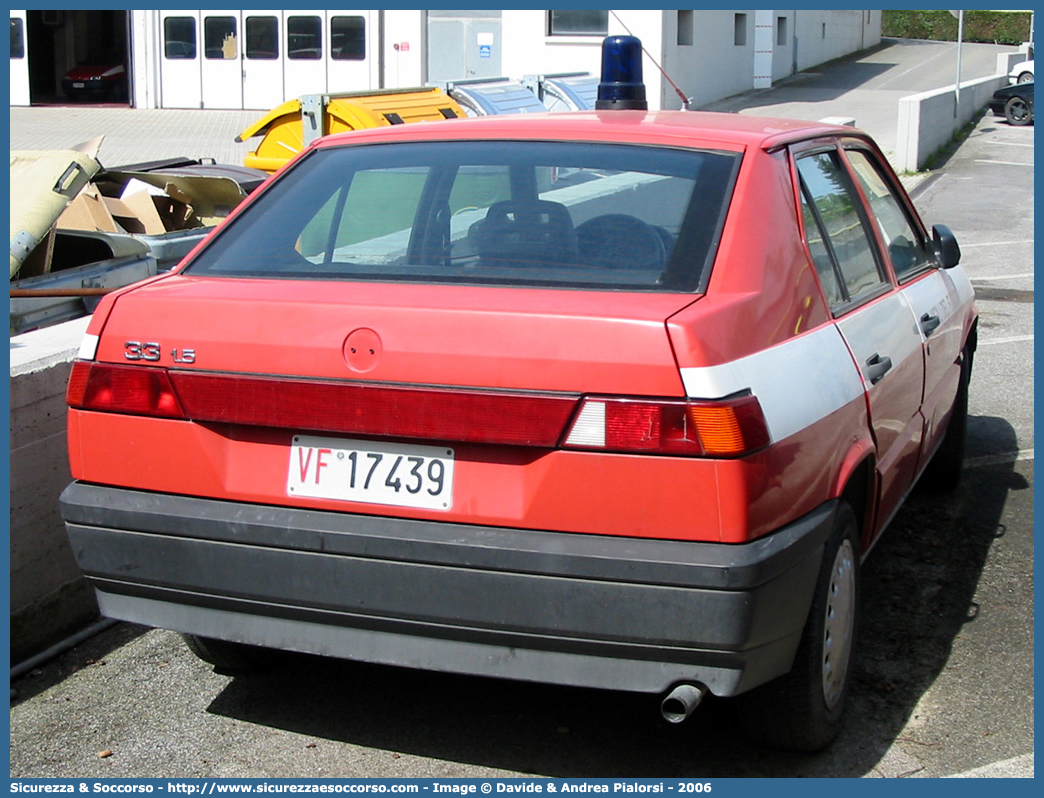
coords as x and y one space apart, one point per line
494 338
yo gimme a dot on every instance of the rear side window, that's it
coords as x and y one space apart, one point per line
499 213
839 239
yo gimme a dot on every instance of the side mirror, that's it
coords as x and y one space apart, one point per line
946 246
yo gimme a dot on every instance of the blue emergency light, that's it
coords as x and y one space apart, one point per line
621 88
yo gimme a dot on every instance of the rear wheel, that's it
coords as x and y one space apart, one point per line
802 710
1017 111
226 655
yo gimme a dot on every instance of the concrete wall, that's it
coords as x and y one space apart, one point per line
783 55
713 66
928 121
49 597
528 50
826 35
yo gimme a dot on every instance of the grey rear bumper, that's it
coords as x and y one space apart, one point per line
596 611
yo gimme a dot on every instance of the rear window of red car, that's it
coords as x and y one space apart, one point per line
546 214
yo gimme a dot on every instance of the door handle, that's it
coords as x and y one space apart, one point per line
877 367
929 323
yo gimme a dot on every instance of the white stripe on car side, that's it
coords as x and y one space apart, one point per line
797 382
88 347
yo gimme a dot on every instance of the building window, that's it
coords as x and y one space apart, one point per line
739 32
219 38
824 30
348 38
262 38
179 37
304 38
685 27
781 31
17 38
578 23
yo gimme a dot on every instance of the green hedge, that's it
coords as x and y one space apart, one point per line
992 27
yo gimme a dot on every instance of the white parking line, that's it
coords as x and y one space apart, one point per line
999 459
1014 339
1016 767
997 243
1012 144
1003 163
1023 276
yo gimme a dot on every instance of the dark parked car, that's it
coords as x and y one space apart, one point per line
1014 103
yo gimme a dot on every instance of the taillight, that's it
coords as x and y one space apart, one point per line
137 390
726 428
394 411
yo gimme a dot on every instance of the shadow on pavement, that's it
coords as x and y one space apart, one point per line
823 83
90 653
919 588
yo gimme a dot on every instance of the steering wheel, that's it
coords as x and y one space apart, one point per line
620 241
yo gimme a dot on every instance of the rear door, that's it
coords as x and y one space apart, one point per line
874 317
930 291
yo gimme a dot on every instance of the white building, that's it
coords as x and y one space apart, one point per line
258 59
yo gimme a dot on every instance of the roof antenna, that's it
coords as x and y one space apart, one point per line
685 100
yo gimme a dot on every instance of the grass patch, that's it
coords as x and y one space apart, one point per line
989 27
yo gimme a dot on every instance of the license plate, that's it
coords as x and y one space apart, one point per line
402 475
77 85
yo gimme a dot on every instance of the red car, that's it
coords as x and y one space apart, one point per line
102 77
617 399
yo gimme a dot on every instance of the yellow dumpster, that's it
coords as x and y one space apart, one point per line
292 126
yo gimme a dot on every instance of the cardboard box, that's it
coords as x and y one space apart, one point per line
151 203
88 211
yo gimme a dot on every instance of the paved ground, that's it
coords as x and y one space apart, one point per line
134 135
868 88
944 673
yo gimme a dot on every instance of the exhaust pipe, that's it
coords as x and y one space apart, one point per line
681 702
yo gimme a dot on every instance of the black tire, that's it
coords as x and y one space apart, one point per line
803 709
1017 112
226 655
943 472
